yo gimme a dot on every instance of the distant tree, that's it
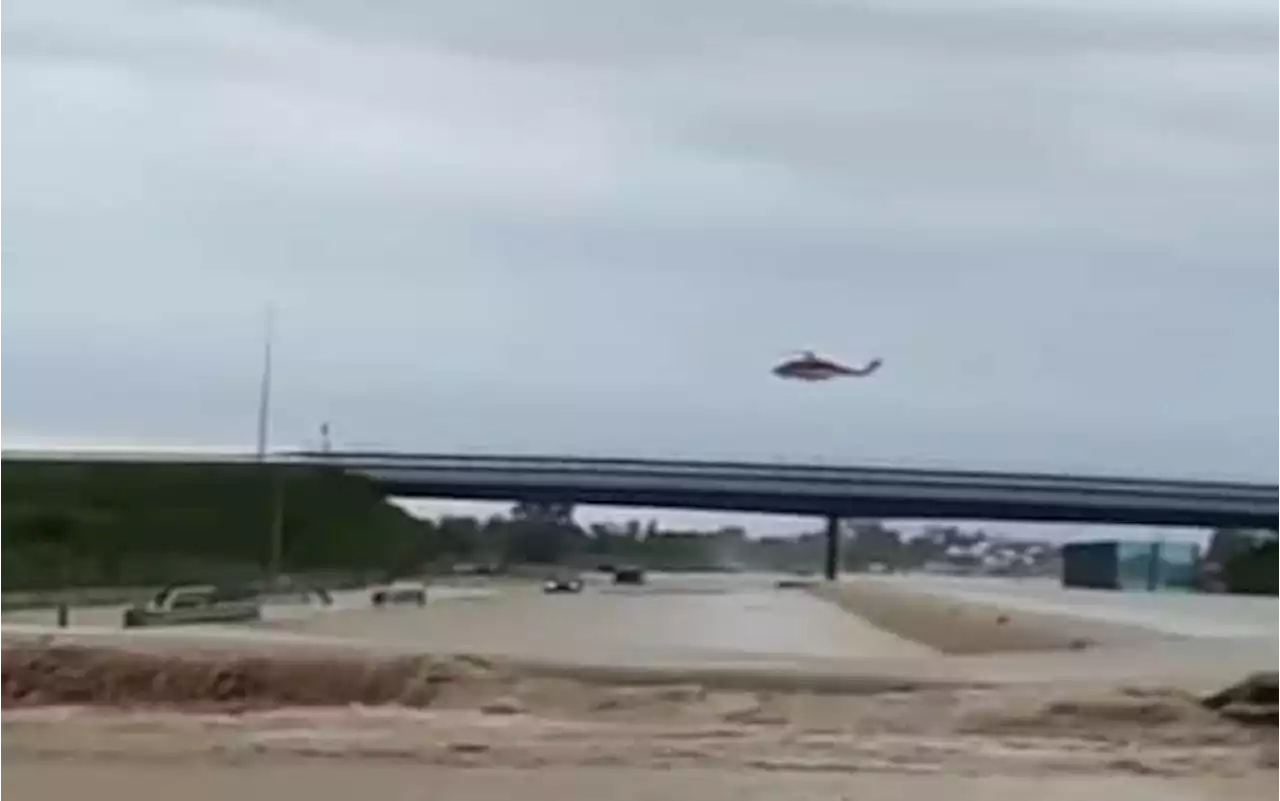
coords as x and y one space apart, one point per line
916 552
458 537
1243 561
874 543
1226 543
53 541
541 533
529 511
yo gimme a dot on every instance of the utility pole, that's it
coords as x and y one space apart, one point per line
273 479
264 386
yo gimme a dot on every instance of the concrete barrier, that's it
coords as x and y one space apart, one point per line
75 597
81 597
955 626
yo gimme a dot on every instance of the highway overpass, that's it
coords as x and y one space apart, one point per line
812 490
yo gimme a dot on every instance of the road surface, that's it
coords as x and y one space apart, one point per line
110 615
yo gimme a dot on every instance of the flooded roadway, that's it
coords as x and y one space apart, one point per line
707 619
814 750
711 620
692 619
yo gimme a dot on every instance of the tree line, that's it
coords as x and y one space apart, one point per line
98 524
69 524
86 524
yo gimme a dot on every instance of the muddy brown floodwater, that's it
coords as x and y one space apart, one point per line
138 717
150 723
329 781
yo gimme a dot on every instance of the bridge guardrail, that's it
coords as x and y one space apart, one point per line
904 487
847 476
670 469
464 460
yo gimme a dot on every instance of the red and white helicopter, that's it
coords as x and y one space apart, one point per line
808 366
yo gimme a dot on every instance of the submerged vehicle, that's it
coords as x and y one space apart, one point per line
195 603
808 366
628 575
400 592
562 584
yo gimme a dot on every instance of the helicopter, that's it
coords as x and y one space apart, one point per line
808 366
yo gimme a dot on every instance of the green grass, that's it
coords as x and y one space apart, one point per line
135 524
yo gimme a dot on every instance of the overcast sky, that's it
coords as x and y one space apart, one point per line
586 226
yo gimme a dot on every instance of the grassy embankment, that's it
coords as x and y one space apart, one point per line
104 526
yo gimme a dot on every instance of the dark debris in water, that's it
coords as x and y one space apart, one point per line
1254 701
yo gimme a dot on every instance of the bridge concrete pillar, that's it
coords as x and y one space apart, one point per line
831 562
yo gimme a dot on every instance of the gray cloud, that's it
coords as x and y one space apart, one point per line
584 227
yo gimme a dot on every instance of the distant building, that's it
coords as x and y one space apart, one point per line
1125 565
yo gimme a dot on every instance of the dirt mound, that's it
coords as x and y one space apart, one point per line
73 674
